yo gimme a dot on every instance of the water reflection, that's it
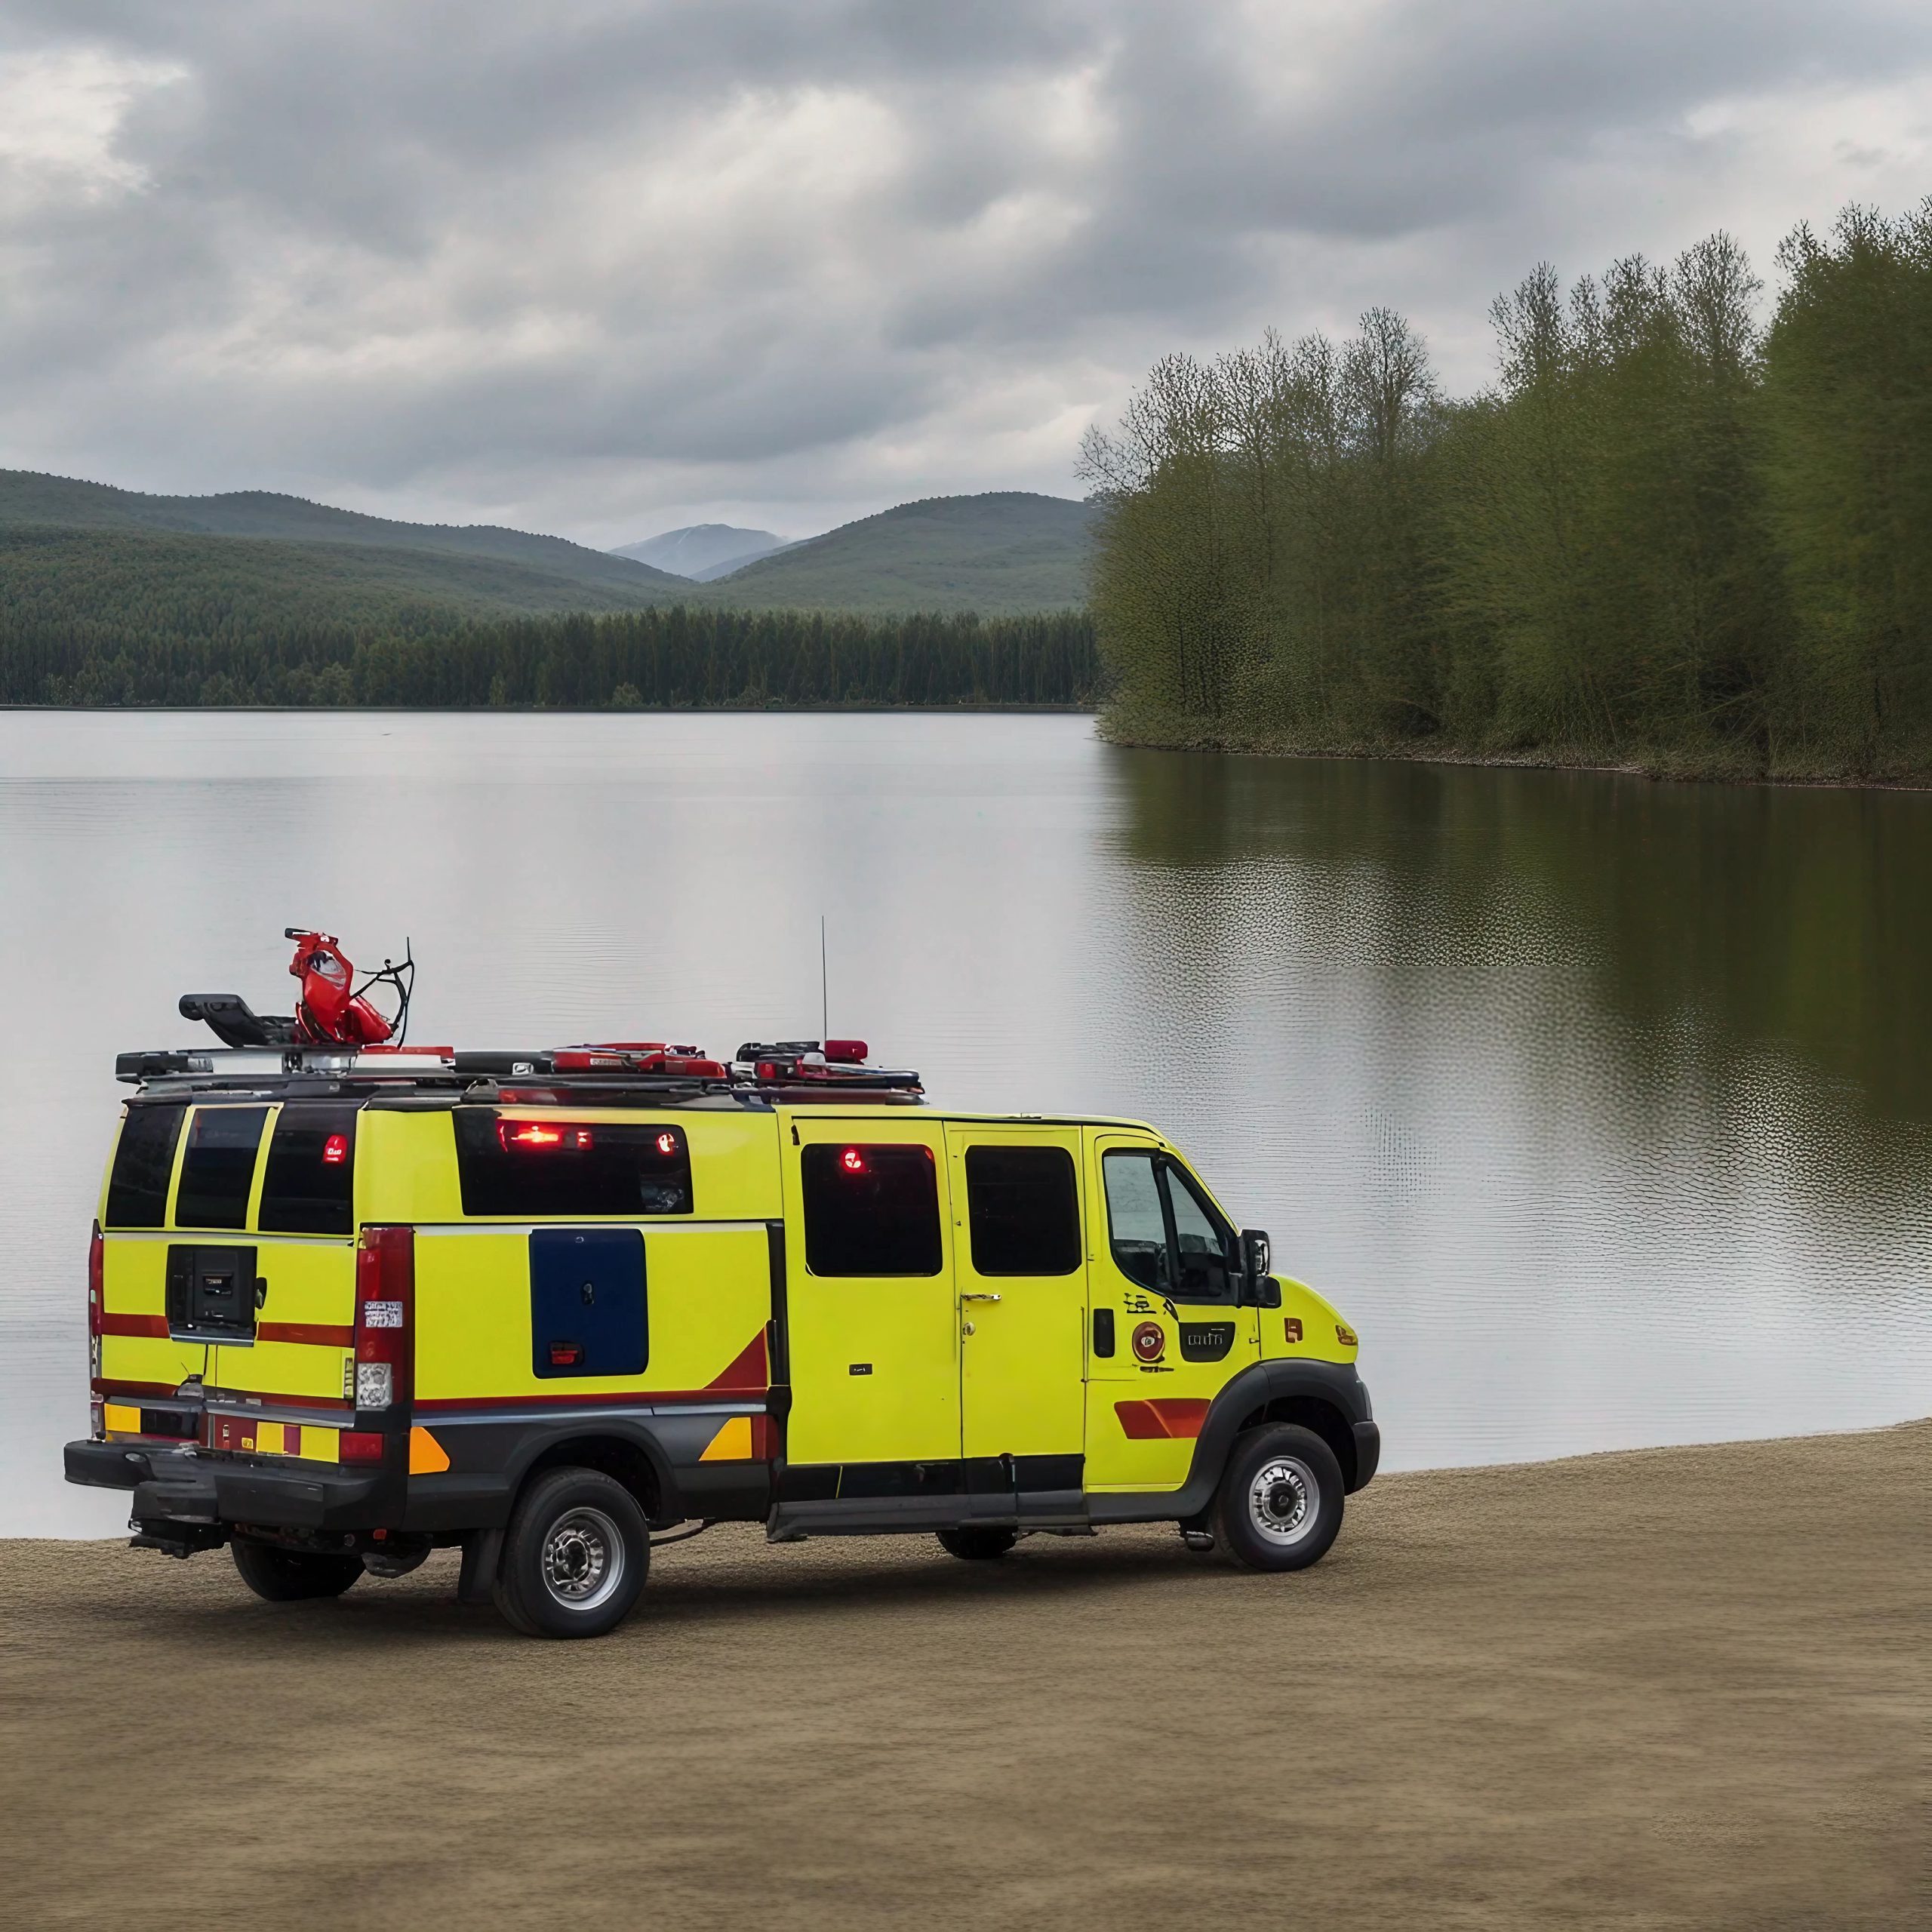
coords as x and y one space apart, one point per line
1601 1106
1603 1102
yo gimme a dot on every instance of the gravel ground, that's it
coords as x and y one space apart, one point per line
1686 1687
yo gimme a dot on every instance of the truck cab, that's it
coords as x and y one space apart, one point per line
347 1307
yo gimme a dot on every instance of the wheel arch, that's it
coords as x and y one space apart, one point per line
630 1456
1327 1397
1316 1414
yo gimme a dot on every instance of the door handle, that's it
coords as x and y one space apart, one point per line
972 1295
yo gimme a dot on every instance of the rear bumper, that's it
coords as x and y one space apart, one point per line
173 1486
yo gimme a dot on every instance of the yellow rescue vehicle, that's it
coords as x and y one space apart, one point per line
350 1304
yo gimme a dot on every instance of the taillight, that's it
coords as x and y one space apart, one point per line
96 1304
360 1445
385 1292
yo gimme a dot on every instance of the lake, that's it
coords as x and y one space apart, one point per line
1602 1108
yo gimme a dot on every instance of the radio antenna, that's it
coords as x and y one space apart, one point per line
824 986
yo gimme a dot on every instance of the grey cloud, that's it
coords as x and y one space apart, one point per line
605 259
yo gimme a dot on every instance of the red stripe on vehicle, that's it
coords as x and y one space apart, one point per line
316 1334
107 1388
135 1324
1169 1417
609 1399
751 1370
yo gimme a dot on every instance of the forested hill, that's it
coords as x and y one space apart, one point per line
1003 553
109 597
116 564
30 500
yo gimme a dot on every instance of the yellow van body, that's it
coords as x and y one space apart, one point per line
340 1324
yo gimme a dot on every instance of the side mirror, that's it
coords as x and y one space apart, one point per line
1258 1287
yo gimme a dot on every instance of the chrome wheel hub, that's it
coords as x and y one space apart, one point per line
584 1559
1283 1500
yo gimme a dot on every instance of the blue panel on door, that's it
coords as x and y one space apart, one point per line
586 1302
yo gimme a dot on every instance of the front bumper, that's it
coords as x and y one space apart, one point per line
176 1485
1368 1454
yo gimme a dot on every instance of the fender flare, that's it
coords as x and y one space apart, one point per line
1261 1382
635 1430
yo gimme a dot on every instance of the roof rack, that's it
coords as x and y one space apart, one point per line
605 1073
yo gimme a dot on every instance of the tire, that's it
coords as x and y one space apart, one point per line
292 1576
977 1544
575 1556
1279 1505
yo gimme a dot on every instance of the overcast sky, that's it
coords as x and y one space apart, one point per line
601 270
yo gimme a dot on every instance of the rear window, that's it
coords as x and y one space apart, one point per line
533 1168
309 1186
143 1161
871 1209
219 1169
1023 1209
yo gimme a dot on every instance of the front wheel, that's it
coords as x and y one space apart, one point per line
1279 1506
292 1576
575 1556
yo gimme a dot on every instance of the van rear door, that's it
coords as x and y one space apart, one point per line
282 1333
139 1361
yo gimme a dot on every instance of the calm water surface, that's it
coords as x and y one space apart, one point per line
1602 1108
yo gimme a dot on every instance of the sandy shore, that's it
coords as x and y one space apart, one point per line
1680 1688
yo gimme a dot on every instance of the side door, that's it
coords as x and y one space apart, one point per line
1168 1329
1021 1267
873 1325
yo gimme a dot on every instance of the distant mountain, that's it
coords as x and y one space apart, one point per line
1004 553
330 554
147 586
77 556
702 551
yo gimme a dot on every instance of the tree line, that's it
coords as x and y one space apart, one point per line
674 657
1675 531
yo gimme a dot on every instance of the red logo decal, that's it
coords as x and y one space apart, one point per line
1149 1343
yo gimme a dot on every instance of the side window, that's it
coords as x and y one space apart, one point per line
310 1185
1023 1209
143 1162
1136 1224
536 1167
1202 1242
219 1168
871 1209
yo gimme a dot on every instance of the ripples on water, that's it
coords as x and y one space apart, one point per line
1602 1108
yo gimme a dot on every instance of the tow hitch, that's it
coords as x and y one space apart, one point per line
182 1540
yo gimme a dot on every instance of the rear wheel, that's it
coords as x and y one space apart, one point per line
1279 1506
980 1544
289 1575
575 1556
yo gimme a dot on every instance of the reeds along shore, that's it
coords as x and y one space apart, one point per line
1674 534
